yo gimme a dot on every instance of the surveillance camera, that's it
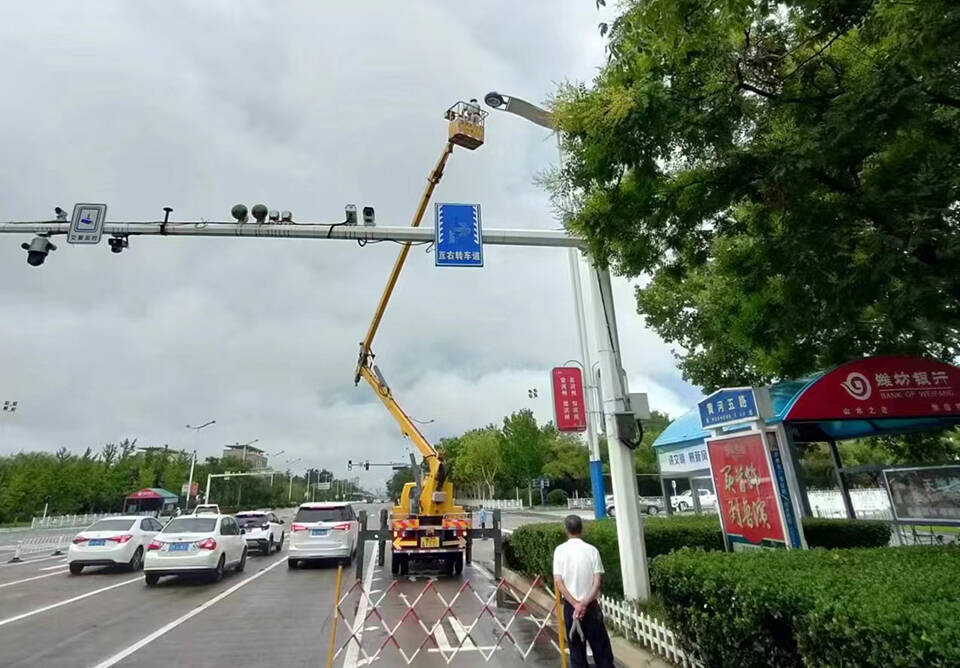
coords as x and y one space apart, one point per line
274 216
351 212
239 211
259 212
37 250
286 217
494 99
61 214
118 243
369 218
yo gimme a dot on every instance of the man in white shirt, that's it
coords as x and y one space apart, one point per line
578 572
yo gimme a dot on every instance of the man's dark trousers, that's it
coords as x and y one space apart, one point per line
594 633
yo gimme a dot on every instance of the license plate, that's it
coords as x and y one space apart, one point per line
95 542
430 541
179 547
318 532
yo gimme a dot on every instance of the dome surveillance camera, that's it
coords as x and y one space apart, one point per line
239 211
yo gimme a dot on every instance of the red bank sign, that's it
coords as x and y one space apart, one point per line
568 405
882 387
746 490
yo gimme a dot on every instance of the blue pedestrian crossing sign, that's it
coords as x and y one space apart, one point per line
458 235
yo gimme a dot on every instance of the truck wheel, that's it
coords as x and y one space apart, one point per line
404 565
395 564
458 564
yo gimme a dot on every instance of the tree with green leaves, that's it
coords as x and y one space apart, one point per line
481 460
786 173
524 449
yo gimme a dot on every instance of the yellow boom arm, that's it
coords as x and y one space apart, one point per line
432 494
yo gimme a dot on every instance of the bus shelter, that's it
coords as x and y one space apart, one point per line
874 396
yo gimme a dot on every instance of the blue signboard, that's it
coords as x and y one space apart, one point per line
784 492
458 235
728 406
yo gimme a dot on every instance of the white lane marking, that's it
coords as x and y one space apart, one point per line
54 567
35 577
10 620
33 561
461 632
443 645
353 651
483 571
143 642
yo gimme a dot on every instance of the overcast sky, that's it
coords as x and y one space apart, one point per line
303 106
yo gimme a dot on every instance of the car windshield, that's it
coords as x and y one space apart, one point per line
322 514
251 520
190 525
111 525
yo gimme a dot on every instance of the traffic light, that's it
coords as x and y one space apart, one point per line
366 465
349 464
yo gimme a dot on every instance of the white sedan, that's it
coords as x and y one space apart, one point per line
684 500
111 542
205 544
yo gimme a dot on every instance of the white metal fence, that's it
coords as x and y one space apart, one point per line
493 504
41 544
646 630
580 503
68 521
868 503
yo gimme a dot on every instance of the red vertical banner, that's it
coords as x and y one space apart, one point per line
746 491
568 404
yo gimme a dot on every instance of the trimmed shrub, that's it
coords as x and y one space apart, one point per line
556 497
531 546
857 607
845 533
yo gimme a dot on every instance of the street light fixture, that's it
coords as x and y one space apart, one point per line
633 560
544 118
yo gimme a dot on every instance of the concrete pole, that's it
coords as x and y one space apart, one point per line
633 553
290 489
206 495
596 467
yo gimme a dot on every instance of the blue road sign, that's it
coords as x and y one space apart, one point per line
458 235
728 406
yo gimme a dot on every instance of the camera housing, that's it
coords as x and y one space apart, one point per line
37 250
369 216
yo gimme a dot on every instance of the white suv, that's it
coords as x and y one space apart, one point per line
322 531
264 530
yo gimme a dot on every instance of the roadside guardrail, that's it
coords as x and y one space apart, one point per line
43 544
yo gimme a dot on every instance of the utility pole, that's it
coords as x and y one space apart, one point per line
633 553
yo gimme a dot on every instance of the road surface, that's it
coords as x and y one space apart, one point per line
268 615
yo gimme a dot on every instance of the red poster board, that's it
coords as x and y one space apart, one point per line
746 490
568 405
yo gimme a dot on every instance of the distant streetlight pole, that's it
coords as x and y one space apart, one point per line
290 472
193 461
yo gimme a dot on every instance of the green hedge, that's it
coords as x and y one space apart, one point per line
530 548
858 607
